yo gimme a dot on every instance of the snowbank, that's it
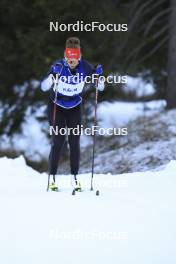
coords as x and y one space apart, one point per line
138 86
118 114
133 221
32 141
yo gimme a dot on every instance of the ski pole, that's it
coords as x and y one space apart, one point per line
55 99
54 110
95 121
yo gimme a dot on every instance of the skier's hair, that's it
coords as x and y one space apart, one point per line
73 43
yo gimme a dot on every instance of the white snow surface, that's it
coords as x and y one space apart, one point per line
139 86
132 221
32 140
118 114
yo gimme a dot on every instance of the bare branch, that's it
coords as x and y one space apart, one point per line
138 14
134 54
153 6
154 19
154 50
160 32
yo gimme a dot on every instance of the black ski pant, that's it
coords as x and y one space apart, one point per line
70 118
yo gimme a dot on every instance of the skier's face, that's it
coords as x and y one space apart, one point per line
72 63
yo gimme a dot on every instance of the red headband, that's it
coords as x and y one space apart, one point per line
72 53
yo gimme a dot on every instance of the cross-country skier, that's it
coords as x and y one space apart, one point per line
64 108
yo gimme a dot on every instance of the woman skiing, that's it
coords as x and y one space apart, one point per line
64 108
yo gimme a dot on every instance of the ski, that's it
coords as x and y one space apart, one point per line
97 192
74 191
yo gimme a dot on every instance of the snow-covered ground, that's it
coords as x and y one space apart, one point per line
138 86
132 221
150 143
118 114
109 114
32 141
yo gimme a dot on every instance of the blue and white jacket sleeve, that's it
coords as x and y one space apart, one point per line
47 83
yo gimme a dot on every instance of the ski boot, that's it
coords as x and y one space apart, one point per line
78 187
53 187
